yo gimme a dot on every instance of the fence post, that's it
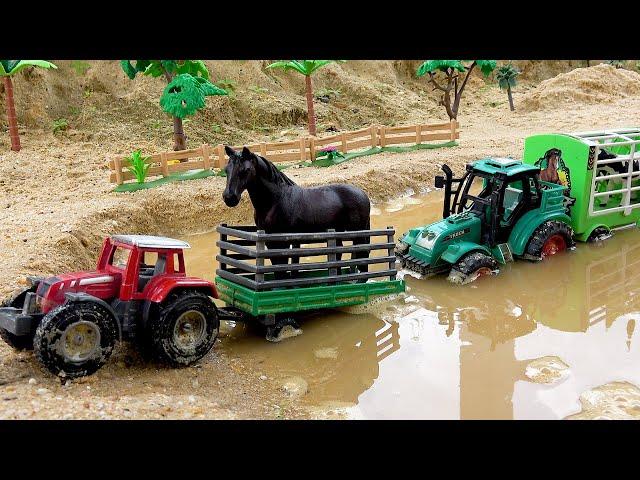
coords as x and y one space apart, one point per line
303 149
418 134
221 158
263 149
164 165
343 137
332 257
382 136
223 251
374 137
390 252
117 163
312 148
205 157
260 247
452 127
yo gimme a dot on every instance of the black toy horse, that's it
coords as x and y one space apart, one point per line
281 206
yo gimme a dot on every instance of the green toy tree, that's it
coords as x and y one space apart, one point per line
506 77
8 68
187 86
453 85
306 68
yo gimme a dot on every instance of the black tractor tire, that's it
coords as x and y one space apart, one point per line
185 328
471 266
17 342
544 241
75 339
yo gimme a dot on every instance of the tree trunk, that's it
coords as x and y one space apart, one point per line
11 115
510 98
588 63
311 113
179 138
458 93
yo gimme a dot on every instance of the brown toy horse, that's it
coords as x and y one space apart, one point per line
550 173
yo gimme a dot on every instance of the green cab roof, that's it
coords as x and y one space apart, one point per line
505 166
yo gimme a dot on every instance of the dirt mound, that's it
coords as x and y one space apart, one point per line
600 84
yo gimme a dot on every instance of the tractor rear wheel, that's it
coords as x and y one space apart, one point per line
185 328
17 342
75 339
550 238
472 266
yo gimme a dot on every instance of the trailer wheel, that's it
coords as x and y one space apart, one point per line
599 234
17 342
550 238
472 266
75 339
185 328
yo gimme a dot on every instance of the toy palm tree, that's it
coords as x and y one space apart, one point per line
187 86
306 68
8 68
506 76
452 69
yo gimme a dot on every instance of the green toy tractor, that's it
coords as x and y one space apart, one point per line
515 214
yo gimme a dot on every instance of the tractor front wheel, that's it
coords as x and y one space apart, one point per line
472 266
185 328
550 238
75 339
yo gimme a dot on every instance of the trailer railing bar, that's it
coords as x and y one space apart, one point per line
312 237
335 264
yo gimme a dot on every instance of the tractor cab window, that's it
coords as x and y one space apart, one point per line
513 193
120 257
476 189
151 264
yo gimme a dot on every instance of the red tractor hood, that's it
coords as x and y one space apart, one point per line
99 284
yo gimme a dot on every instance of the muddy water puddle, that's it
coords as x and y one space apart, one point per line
525 344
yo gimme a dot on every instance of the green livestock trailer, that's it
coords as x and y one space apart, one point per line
261 276
601 172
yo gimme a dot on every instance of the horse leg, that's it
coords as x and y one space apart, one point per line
279 275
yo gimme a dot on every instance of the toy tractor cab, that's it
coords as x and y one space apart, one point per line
139 291
513 214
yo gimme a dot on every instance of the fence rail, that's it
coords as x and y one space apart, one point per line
307 148
241 245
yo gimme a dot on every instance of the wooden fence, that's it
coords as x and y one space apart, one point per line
207 156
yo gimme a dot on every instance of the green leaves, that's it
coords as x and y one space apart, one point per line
304 67
11 67
185 95
432 66
138 165
506 76
158 68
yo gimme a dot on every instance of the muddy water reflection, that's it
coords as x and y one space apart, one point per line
461 352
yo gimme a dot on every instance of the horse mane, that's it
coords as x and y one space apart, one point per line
275 175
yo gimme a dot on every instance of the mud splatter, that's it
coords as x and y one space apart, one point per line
612 401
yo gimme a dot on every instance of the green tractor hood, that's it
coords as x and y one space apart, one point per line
432 248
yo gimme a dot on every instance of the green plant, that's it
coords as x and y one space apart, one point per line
330 154
60 125
138 165
86 93
216 128
187 86
327 92
506 77
81 67
74 110
451 70
9 68
306 68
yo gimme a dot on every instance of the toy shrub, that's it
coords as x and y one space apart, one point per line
138 166
506 77
330 154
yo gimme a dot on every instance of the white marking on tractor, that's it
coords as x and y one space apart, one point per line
95 280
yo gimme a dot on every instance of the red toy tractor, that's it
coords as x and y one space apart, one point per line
139 292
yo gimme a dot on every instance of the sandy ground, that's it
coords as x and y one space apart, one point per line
56 206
